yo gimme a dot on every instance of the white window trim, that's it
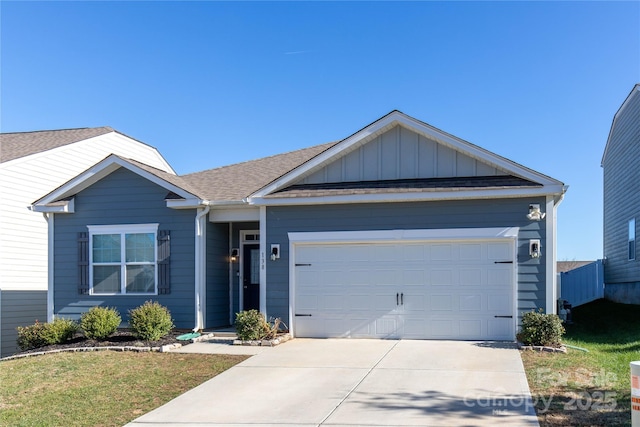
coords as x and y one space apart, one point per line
633 239
123 229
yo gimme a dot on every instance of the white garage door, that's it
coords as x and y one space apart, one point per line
427 290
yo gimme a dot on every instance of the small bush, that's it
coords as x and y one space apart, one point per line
541 329
100 322
41 334
151 321
251 325
60 330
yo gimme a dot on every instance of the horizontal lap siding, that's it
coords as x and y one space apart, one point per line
125 198
217 275
19 308
419 215
23 262
622 195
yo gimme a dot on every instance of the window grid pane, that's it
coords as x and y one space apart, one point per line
141 278
106 248
140 247
632 239
106 279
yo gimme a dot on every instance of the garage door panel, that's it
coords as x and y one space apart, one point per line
470 328
470 252
434 290
441 277
468 302
471 276
441 253
499 251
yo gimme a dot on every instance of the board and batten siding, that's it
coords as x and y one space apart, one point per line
23 240
621 180
124 197
531 292
19 308
400 153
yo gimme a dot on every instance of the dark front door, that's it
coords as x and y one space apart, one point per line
251 277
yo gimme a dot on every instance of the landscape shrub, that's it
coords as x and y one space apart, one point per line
60 330
251 325
100 322
151 321
541 329
41 334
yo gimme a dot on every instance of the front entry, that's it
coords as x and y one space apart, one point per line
251 277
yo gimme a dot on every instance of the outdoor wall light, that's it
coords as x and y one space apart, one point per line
275 252
534 248
534 213
234 255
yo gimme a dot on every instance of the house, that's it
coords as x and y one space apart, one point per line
399 230
31 164
621 173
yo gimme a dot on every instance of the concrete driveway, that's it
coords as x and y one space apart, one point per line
349 382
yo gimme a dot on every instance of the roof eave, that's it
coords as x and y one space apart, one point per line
557 191
66 206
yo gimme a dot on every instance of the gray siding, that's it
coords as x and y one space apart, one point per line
125 198
19 308
622 194
400 153
422 215
217 275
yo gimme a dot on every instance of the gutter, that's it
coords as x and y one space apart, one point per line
200 265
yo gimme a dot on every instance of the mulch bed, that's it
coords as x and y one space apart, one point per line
121 338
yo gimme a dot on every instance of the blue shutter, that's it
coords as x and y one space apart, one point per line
83 263
164 262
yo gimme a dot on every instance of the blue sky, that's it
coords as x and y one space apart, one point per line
214 83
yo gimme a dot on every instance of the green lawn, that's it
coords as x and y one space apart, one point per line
588 388
99 388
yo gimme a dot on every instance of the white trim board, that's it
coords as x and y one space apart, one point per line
372 236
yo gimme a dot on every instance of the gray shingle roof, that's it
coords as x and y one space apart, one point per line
235 182
21 144
176 180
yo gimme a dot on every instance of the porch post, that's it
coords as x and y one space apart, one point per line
263 262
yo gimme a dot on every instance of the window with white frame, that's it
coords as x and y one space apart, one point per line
123 259
632 239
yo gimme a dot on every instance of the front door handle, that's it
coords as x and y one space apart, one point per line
397 300
402 298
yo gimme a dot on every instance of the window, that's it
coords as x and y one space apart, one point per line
123 259
632 239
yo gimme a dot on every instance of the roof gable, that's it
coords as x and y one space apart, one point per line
171 182
21 144
631 98
400 153
390 144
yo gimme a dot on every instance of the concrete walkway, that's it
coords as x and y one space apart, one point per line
342 382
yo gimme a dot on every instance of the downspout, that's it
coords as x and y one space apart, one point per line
49 218
200 266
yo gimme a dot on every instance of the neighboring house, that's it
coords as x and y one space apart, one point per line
566 266
621 170
31 164
399 230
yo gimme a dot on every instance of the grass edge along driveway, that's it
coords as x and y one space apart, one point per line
99 388
588 388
